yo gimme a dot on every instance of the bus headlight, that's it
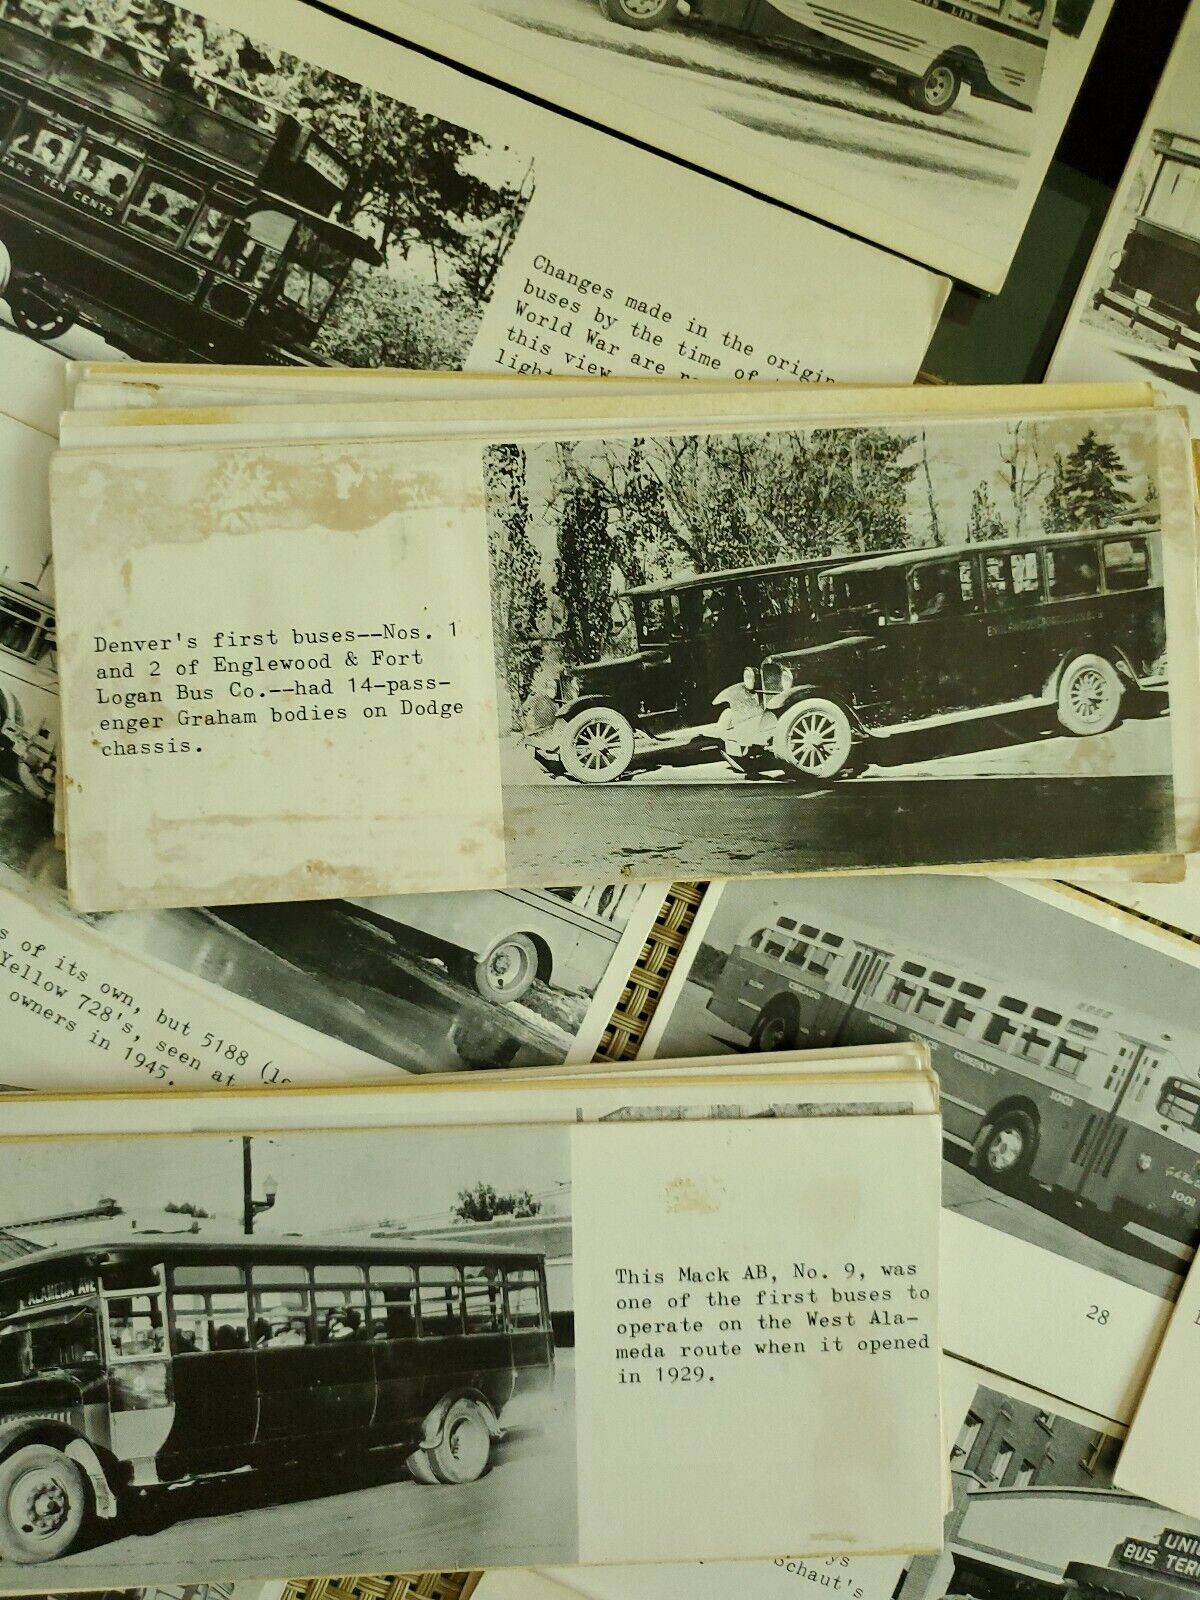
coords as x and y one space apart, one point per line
1144 1163
1115 260
750 679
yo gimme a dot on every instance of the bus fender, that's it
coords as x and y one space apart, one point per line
45 1431
85 1458
5 266
779 703
588 702
431 1433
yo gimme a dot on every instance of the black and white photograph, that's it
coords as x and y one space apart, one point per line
1035 1515
309 1353
1066 1050
868 646
1137 315
171 189
924 127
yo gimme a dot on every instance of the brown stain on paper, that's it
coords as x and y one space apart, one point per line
702 1196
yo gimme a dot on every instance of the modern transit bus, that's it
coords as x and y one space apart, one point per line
1155 282
929 47
1037 1089
179 217
503 941
29 685
151 1362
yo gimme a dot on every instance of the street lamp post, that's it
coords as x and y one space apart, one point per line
250 1206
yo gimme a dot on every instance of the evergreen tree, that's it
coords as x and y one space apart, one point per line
1092 487
1055 512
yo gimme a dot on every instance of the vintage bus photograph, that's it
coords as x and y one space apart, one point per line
925 126
1068 1050
1035 1513
172 190
1137 314
285 1353
835 621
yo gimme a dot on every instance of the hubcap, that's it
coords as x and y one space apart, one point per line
774 1034
814 741
643 8
1005 1149
597 745
1088 695
939 86
40 1504
506 966
468 1445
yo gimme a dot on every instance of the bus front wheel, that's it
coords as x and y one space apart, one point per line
461 1454
935 91
508 970
597 745
1007 1150
43 1504
642 14
37 315
775 1028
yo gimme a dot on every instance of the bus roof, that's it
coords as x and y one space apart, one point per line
951 552
171 1248
701 580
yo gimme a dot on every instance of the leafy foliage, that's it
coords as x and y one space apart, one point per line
482 1204
1088 488
519 597
984 521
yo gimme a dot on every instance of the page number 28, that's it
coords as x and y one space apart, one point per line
1098 1314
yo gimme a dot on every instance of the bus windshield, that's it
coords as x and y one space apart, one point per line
313 272
65 1340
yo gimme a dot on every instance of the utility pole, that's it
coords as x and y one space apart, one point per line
250 1206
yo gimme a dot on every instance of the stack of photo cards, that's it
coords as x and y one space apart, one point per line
442 1291
415 645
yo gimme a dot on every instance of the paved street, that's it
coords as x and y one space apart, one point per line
959 171
361 1518
1030 1216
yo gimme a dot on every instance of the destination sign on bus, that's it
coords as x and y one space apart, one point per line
323 162
1175 1554
47 1294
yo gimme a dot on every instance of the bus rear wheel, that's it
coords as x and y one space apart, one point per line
1006 1152
936 90
641 14
37 315
461 1454
814 739
43 1504
509 969
1089 696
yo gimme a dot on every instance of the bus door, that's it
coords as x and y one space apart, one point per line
1095 1165
216 1390
141 1393
838 1018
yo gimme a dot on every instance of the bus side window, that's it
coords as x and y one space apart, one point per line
48 143
393 1302
135 1325
439 1292
1126 565
483 1299
281 1306
523 1290
756 938
161 210
1072 572
1068 1058
340 1300
903 990
104 171
999 1031
192 1329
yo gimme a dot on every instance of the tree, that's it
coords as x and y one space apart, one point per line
1088 488
984 521
482 1204
583 566
1024 472
519 598
185 1208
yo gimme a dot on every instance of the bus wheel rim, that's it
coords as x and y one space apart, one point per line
642 8
597 744
1089 695
466 1442
939 85
508 966
814 741
1005 1149
39 1504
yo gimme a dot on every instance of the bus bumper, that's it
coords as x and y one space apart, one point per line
1141 314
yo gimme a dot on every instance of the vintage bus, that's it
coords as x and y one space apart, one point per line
1155 283
29 685
156 1361
929 48
179 217
503 941
1034 1089
924 639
